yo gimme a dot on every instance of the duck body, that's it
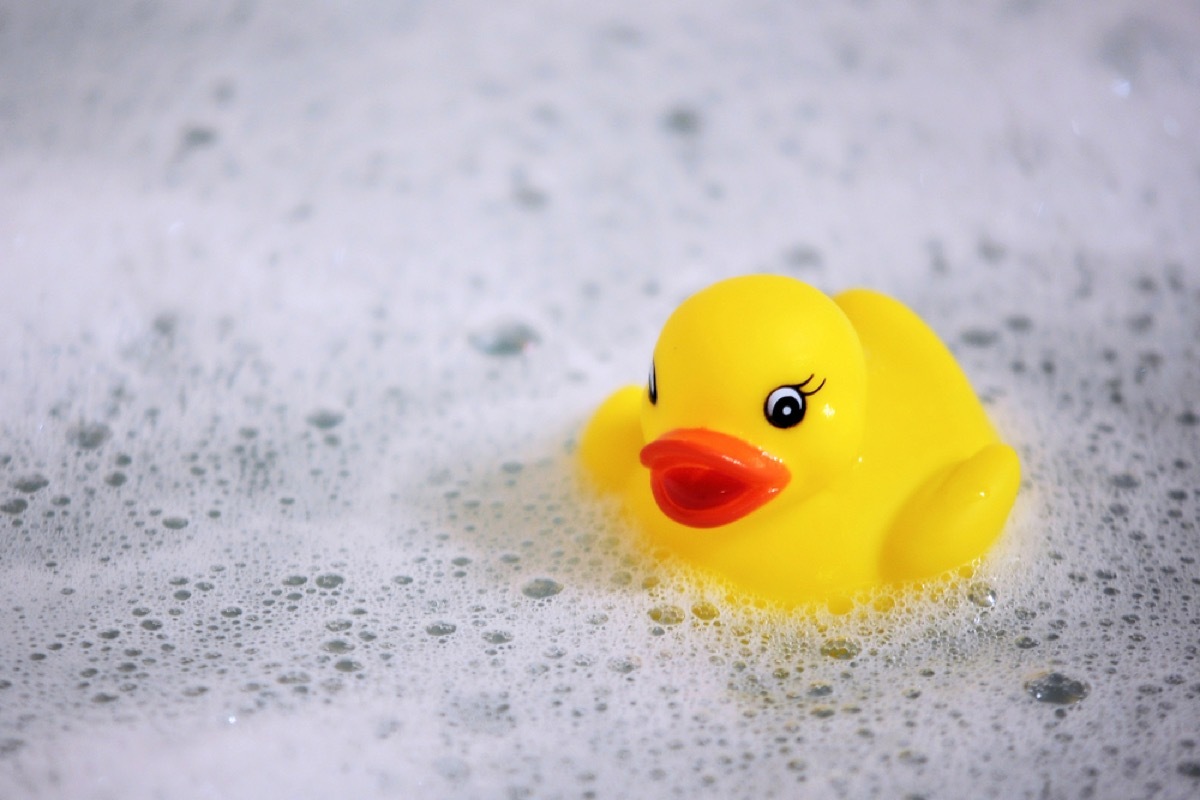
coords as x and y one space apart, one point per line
805 448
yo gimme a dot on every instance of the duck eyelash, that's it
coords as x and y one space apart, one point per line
800 386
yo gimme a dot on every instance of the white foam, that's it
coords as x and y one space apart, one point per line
216 223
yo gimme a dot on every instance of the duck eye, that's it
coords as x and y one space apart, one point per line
652 386
784 407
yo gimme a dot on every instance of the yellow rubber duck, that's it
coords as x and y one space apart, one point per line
806 448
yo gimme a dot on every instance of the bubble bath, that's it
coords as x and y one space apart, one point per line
304 311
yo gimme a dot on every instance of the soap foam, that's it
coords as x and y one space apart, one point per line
305 312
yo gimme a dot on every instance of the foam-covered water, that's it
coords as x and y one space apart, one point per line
303 307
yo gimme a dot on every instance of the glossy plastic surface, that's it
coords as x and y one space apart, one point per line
804 447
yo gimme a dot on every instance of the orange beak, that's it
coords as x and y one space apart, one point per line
705 479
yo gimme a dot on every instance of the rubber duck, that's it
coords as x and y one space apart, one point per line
806 448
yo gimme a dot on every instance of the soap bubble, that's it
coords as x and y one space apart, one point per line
1056 688
540 588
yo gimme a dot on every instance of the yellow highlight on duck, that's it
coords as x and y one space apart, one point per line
806 448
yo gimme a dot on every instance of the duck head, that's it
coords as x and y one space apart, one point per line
756 398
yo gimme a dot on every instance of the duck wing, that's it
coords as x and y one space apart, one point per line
612 440
951 480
